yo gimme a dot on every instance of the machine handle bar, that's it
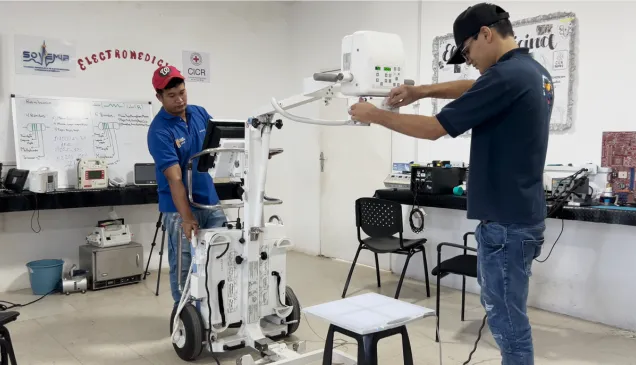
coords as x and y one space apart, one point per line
209 151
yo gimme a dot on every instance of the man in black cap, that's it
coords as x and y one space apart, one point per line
508 109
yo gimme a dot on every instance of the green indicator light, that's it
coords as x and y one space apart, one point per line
377 68
387 69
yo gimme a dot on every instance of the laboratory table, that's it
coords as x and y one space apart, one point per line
594 213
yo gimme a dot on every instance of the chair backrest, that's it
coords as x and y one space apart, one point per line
378 217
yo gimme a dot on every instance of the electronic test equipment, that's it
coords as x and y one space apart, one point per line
237 277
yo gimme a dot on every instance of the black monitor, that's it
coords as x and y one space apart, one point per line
215 131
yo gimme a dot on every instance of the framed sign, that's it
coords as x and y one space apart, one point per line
551 39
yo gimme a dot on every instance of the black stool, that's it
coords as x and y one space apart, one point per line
6 347
368 345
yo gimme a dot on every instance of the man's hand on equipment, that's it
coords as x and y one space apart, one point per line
405 95
363 112
189 227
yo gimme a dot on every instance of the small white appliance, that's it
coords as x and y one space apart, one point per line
400 176
42 180
110 233
92 173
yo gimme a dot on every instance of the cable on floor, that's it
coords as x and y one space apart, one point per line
483 323
4 305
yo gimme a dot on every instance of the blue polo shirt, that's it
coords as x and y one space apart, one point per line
173 141
508 109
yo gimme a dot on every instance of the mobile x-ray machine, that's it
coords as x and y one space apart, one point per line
238 275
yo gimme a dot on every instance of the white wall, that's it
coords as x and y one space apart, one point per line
249 45
588 274
319 27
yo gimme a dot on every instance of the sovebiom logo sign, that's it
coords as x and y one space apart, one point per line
43 58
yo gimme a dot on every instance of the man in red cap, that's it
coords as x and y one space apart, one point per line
175 134
508 108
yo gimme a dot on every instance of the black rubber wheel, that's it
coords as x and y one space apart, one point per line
292 300
191 344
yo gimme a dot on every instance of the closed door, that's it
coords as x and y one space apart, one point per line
356 160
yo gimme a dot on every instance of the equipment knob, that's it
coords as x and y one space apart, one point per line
263 256
239 260
242 240
279 123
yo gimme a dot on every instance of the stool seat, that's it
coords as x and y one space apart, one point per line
368 318
6 317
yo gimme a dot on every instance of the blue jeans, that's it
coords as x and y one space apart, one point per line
504 260
172 222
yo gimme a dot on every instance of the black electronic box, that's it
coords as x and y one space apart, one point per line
436 180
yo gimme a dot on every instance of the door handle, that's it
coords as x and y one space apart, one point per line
137 260
322 161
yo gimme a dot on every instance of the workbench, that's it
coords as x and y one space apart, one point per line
596 214
75 198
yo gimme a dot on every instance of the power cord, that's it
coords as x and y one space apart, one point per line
416 213
483 323
4 303
207 289
554 244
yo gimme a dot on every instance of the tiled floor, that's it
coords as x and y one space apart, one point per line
129 325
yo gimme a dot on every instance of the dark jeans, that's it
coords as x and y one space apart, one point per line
505 255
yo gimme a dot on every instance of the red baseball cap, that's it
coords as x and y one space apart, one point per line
163 75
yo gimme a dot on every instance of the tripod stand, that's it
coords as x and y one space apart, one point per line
154 243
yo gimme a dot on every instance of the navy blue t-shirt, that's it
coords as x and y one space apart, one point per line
173 141
508 109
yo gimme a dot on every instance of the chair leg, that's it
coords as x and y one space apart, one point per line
353 265
463 295
406 264
428 288
7 349
328 349
407 354
439 275
3 353
377 269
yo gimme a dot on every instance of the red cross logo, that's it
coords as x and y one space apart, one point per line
195 58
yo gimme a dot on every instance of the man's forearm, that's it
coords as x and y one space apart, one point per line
180 199
418 126
446 90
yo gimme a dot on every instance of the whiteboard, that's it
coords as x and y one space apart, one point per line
551 39
54 132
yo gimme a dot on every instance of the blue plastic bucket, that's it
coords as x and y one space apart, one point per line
45 275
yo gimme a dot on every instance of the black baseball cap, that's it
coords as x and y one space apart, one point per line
468 24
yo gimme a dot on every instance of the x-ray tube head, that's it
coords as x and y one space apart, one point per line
372 63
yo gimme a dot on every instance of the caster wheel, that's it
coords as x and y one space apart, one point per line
67 293
292 300
83 291
188 343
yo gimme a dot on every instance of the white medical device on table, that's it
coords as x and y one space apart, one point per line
110 233
42 180
400 176
238 275
92 173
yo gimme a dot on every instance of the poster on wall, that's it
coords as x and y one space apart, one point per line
196 66
551 40
44 56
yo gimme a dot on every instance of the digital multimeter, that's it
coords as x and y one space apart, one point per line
92 173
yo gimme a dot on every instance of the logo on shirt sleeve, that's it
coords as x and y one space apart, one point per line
548 90
180 142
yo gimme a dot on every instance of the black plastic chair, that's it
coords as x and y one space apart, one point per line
381 220
6 346
464 265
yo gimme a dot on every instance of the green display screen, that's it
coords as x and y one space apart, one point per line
387 69
377 68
